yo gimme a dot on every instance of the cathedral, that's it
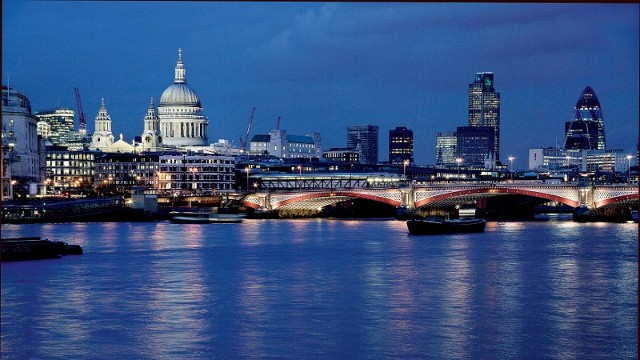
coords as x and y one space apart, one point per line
177 122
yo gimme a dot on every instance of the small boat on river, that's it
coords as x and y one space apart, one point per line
439 225
33 248
205 218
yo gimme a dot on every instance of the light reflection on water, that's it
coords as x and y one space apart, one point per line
324 289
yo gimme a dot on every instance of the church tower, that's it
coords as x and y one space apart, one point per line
151 138
102 137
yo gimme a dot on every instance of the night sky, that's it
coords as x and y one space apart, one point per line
324 66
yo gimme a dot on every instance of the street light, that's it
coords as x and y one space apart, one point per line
405 163
629 167
300 173
247 171
458 161
511 166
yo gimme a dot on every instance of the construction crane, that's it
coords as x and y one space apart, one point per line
243 141
83 121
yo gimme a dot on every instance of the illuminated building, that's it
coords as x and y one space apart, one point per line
182 122
367 137
151 137
21 147
586 130
284 146
69 170
446 148
484 109
343 155
60 125
102 137
400 145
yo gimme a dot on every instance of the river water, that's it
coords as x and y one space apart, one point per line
330 289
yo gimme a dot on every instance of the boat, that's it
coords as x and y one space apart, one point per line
33 248
205 218
439 225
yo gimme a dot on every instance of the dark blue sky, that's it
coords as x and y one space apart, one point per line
324 66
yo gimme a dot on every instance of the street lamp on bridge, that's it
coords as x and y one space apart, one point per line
405 163
511 158
458 161
629 157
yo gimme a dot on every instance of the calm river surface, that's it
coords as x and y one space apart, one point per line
330 289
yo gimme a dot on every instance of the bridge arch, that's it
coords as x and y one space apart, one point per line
336 193
491 191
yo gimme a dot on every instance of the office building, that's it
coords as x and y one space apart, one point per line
60 121
69 170
400 145
446 148
343 155
279 144
472 144
484 109
367 137
586 130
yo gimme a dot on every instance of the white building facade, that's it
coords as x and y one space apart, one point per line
182 122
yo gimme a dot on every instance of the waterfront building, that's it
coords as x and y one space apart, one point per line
343 155
151 136
484 109
367 137
120 171
197 173
277 143
559 159
60 121
22 166
167 172
182 122
102 136
446 148
472 145
586 130
68 170
400 145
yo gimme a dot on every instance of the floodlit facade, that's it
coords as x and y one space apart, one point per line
484 109
284 146
102 136
22 150
182 122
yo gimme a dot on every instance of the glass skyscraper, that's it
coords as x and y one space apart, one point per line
586 130
484 108
367 137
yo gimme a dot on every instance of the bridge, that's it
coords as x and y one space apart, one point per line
415 196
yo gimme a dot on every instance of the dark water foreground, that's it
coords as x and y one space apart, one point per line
304 289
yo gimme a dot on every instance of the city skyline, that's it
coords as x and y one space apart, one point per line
323 67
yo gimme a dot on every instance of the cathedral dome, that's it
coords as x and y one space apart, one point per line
179 94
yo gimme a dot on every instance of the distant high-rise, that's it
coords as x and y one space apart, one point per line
400 145
60 125
473 142
446 148
484 109
586 130
367 137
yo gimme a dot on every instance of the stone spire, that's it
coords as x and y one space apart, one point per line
180 71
